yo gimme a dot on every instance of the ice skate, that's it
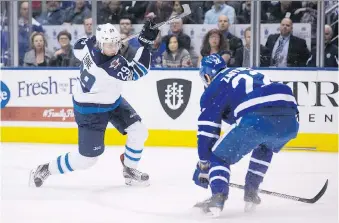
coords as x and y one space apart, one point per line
134 177
39 175
251 199
212 206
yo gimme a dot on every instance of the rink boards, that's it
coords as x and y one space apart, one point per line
36 106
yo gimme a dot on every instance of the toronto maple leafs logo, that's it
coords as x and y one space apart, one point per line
174 95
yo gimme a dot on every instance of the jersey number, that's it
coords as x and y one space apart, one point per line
248 80
87 80
124 73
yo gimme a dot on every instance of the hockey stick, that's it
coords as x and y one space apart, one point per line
186 12
285 196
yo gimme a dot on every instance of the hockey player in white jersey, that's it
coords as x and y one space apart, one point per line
98 101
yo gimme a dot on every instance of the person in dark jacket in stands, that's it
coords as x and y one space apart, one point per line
77 13
242 55
64 57
233 41
54 14
176 28
285 49
331 51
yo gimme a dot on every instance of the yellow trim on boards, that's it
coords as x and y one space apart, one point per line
180 138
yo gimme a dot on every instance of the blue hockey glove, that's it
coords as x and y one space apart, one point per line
200 176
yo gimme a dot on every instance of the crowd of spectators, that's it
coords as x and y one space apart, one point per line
174 50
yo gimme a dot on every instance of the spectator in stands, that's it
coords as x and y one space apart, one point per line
36 8
214 42
127 50
77 13
66 4
233 41
5 57
54 14
244 16
176 28
24 31
111 12
219 8
88 27
309 15
193 18
136 10
237 5
242 55
331 51
64 57
39 55
158 49
126 28
285 49
175 55
159 11
284 9
197 17
125 24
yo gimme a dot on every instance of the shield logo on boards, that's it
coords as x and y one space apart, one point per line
174 95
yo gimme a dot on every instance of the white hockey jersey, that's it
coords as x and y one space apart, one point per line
101 78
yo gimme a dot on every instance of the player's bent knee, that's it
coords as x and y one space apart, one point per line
137 133
79 161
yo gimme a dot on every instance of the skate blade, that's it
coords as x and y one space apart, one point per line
135 183
215 212
211 213
250 207
30 180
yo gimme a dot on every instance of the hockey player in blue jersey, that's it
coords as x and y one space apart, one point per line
262 115
98 101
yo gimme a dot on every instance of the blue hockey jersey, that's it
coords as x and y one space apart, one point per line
101 77
232 94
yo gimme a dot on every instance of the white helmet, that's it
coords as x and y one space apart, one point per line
107 33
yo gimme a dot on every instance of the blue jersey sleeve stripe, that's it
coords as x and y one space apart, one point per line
141 67
135 76
207 134
223 168
208 123
261 100
209 129
256 172
254 160
138 70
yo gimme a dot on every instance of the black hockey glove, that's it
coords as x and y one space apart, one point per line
148 35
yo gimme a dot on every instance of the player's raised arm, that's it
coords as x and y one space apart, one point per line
142 59
123 70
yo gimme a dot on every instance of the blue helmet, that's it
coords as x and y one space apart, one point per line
211 65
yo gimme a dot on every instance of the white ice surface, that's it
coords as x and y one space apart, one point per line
98 195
